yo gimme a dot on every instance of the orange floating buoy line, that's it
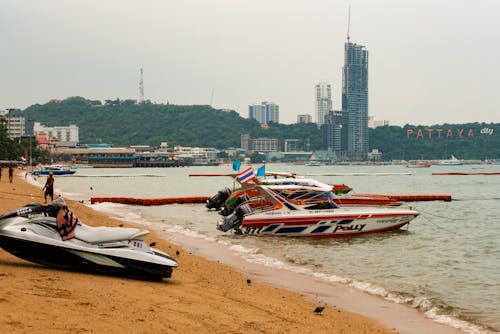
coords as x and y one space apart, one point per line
413 198
355 199
467 173
150 201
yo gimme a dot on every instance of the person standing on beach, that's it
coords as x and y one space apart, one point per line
11 173
49 187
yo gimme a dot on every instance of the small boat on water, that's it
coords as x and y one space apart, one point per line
314 163
54 169
419 164
302 208
453 161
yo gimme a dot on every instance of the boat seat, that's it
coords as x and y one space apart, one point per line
104 234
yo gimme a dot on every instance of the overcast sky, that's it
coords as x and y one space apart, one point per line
430 61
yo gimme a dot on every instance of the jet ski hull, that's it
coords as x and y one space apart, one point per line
33 233
71 259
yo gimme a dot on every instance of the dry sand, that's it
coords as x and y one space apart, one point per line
202 296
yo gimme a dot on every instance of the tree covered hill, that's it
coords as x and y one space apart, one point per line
124 123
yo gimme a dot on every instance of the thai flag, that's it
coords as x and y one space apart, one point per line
246 175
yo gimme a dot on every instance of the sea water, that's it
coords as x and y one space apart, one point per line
446 263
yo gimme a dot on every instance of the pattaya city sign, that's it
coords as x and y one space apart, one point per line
445 133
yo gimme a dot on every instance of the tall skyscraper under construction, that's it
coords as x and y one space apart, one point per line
355 102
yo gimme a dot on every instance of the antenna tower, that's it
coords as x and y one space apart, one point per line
141 86
212 97
348 23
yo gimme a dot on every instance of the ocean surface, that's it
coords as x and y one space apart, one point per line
446 263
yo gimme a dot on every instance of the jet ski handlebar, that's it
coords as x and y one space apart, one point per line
50 209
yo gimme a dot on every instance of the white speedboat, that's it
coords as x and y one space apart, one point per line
305 209
451 162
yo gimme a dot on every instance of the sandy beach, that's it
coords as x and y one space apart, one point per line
203 295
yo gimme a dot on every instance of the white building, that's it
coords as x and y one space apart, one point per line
305 118
58 133
323 100
373 123
265 112
15 126
200 155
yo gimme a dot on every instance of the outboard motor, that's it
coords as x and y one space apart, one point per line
229 208
235 220
217 200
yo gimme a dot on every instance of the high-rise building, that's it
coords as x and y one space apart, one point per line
323 101
355 101
265 112
332 132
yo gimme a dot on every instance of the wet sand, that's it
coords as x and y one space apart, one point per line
205 294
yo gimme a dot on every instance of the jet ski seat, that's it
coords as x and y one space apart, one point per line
103 234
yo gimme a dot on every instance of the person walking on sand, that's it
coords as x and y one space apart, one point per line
49 187
11 173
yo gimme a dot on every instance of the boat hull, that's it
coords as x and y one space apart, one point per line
324 225
54 172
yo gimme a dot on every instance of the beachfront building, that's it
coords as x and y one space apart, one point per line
264 113
323 101
58 133
99 156
199 156
261 144
355 101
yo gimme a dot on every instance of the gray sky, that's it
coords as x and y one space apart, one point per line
430 61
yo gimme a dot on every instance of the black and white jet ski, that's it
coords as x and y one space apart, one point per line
51 235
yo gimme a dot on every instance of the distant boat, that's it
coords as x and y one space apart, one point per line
419 164
314 163
54 169
451 162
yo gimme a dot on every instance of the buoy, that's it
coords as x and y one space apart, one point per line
150 201
467 173
414 198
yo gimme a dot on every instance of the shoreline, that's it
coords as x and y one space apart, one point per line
208 278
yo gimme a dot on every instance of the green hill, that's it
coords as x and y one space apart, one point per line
124 123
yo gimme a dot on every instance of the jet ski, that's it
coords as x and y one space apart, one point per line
51 235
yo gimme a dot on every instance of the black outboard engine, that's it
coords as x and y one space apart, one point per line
228 209
235 220
217 200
